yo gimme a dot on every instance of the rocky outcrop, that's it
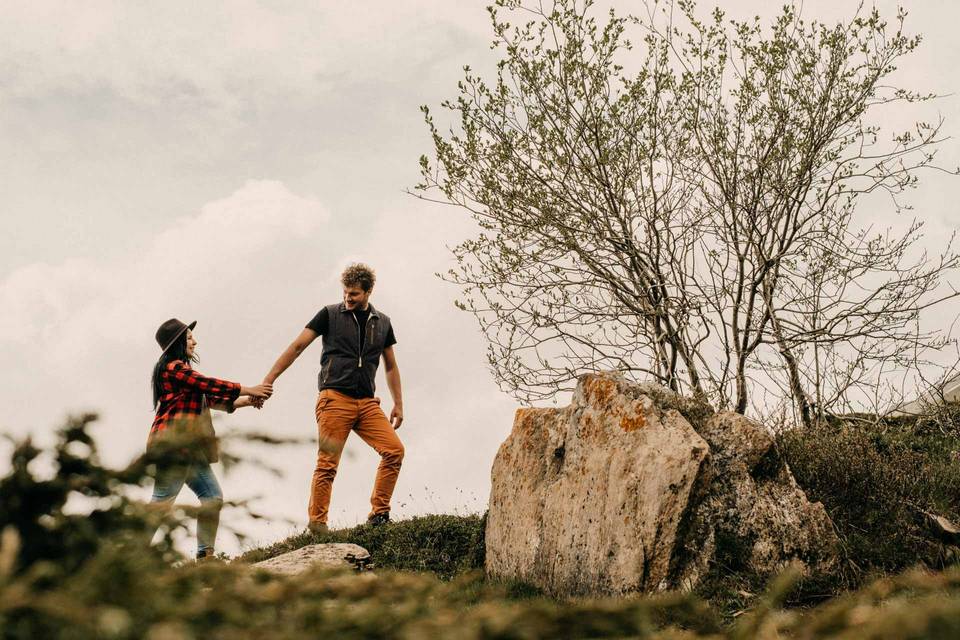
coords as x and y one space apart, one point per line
634 488
333 554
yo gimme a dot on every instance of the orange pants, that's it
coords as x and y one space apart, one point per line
337 414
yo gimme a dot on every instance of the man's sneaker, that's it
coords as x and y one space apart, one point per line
378 519
317 527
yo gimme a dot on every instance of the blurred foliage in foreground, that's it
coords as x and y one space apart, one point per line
122 595
93 575
52 540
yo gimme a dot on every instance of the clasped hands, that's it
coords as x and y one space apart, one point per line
257 401
253 396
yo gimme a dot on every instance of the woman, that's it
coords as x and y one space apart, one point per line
182 441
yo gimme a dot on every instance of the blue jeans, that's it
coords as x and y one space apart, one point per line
199 477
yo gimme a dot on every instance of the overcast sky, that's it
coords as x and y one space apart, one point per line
222 162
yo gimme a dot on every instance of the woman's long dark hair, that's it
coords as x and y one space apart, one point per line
177 351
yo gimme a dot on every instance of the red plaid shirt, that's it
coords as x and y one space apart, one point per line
188 393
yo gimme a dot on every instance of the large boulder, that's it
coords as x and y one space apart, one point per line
634 488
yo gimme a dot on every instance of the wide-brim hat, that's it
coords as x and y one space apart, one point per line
170 331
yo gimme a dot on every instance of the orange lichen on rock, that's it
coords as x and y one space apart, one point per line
590 427
632 423
602 390
532 417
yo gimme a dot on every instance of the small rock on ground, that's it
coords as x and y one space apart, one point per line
331 554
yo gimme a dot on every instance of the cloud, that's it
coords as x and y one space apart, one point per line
232 56
252 268
64 320
61 308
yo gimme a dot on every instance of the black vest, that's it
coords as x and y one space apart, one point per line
342 366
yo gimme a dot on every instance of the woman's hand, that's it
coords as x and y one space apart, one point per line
244 401
262 390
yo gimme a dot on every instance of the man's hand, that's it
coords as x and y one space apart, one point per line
242 401
263 391
258 402
393 381
396 416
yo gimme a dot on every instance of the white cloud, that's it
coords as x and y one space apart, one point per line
83 330
252 268
231 55
63 311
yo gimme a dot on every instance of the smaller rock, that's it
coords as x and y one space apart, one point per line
331 554
734 437
942 528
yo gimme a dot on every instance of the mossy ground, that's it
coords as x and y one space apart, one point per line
444 545
66 576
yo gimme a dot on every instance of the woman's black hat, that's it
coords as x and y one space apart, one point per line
170 330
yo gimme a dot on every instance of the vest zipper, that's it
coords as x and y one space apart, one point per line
359 342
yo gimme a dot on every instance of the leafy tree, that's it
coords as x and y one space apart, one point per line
686 210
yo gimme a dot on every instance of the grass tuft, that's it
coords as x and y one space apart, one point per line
444 545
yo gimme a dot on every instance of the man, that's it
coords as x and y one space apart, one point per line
355 337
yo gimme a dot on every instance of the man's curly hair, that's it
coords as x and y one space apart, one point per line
358 275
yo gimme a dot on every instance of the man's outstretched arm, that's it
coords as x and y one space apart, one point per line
291 353
392 372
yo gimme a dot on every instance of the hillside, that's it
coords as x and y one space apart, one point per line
91 575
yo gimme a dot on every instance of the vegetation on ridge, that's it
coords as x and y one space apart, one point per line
444 545
65 575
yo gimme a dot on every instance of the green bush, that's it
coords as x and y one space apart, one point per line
444 545
875 479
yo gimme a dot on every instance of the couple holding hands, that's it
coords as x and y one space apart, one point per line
355 337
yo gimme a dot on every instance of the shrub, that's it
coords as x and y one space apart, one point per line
875 478
444 545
